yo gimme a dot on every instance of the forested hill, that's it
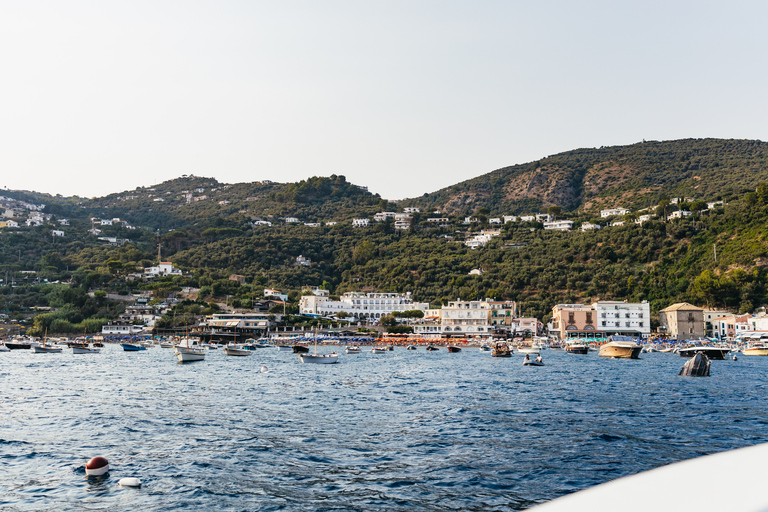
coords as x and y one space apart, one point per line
634 176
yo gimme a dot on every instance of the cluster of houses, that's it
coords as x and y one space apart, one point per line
680 321
16 213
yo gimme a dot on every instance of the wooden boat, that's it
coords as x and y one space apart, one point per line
189 353
45 348
236 350
84 349
316 358
621 347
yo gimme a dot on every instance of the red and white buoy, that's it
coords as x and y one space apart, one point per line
97 466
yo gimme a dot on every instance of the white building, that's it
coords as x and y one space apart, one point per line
360 223
165 268
302 261
369 306
714 204
271 292
476 240
56 232
467 318
509 218
586 226
240 322
291 220
411 209
122 328
610 212
679 214
559 225
382 216
494 220
617 223
627 318
643 218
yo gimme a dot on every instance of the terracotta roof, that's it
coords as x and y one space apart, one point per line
681 306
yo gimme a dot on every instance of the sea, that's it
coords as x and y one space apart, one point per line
405 430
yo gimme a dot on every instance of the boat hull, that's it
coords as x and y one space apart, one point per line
85 350
240 352
763 351
46 350
319 359
715 353
620 352
577 349
188 355
18 346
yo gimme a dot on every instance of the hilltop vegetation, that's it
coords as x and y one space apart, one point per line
634 176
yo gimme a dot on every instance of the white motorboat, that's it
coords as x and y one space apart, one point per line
621 347
377 350
236 350
3 348
352 350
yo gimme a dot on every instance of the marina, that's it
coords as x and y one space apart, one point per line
393 431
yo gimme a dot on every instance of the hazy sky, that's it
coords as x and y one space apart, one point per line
404 97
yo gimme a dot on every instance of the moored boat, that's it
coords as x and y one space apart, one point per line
501 350
432 347
712 352
411 347
300 349
575 346
758 349
352 350
621 347
453 348
132 347
236 350
378 350
319 358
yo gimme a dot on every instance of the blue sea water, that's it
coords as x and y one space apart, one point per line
398 431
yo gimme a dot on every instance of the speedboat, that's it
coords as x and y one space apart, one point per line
452 348
621 347
352 350
758 349
576 347
485 348
411 347
712 352
431 348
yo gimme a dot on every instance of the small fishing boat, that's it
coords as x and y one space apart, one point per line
352 350
44 348
132 347
316 358
378 350
188 353
236 350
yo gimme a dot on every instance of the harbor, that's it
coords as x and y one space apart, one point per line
396 430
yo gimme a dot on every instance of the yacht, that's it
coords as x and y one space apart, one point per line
756 349
621 347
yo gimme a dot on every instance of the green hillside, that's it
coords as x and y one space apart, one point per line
633 176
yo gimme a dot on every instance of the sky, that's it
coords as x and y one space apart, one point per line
402 96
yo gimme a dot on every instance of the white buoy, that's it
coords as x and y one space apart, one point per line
264 369
97 466
129 482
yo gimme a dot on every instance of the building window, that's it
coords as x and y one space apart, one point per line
589 317
570 318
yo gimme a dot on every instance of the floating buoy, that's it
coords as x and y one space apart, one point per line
97 466
735 358
129 482
264 369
